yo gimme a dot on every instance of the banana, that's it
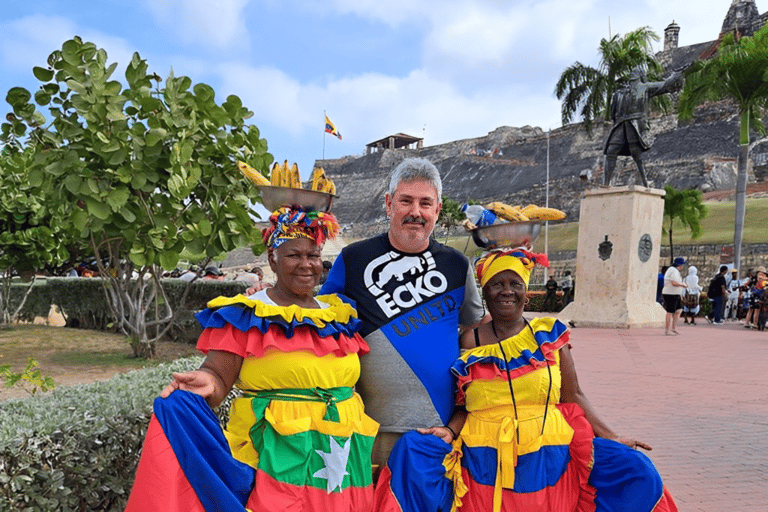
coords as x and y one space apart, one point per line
274 177
252 174
318 174
294 178
321 182
329 186
507 212
534 212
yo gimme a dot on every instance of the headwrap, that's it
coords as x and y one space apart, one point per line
289 222
517 260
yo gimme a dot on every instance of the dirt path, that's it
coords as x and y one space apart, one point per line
74 356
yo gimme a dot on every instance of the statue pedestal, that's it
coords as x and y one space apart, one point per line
617 260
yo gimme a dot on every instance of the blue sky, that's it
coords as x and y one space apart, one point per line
443 70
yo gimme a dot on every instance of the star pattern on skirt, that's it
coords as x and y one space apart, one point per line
335 464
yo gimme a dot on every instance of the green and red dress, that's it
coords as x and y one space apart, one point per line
298 434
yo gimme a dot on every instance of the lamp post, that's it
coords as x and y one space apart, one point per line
546 223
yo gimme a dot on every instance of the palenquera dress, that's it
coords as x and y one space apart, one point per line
297 439
521 449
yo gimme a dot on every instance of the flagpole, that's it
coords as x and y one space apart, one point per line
325 115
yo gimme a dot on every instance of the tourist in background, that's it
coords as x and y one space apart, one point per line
660 284
757 286
691 298
716 292
672 293
550 299
732 301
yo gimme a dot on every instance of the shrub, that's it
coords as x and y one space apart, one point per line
81 301
77 448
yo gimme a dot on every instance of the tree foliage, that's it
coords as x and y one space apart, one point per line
146 170
586 92
738 72
32 235
450 215
682 208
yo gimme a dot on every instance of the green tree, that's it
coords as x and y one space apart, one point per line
32 235
683 208
737 72
145 172
450 215
586 92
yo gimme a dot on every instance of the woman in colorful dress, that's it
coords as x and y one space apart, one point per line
527 440
531 440
297 437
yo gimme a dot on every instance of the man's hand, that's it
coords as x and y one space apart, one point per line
443 433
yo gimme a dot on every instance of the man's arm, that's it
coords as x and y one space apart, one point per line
472 312
334 283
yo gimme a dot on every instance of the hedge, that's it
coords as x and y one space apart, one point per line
81 301
77 448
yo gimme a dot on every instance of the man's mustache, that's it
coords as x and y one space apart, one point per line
414 220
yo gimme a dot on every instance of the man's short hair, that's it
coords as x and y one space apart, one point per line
723 269
413 169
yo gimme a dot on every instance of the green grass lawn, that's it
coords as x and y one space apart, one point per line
717 229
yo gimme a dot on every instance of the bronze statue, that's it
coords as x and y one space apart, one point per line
629 112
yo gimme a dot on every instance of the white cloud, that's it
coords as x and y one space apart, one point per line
28 41
220 23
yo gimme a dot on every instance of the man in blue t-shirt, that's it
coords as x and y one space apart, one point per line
412 294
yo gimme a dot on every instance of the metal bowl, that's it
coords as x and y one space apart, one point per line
274 197
508 234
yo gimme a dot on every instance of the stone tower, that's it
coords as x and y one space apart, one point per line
742 15
671 34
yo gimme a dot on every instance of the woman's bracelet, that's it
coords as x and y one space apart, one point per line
453 433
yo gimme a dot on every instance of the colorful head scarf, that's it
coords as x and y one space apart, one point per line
518 260
289 222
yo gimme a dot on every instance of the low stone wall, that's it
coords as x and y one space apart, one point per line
706 258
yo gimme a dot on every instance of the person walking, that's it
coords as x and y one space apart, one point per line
674 287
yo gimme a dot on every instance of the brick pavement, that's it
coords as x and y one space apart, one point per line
700 399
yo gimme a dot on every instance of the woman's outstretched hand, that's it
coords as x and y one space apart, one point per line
633 443
199 382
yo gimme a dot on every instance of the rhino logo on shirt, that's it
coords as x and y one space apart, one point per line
415 277
399 268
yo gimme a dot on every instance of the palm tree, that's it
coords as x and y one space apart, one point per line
587 91
738 72
687 208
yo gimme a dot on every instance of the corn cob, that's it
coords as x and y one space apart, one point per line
252 174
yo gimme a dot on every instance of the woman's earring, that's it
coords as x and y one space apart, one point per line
527 300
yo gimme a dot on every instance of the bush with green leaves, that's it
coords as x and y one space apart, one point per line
145 172
77 448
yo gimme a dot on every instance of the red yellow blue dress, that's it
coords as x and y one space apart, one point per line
297 439
538 454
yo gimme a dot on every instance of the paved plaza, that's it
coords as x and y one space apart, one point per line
699 398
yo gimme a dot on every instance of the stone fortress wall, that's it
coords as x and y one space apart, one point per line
509 164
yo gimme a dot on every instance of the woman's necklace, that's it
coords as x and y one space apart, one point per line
509 378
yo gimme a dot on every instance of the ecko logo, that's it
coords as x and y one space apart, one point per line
398 281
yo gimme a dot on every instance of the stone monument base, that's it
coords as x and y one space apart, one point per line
617 259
